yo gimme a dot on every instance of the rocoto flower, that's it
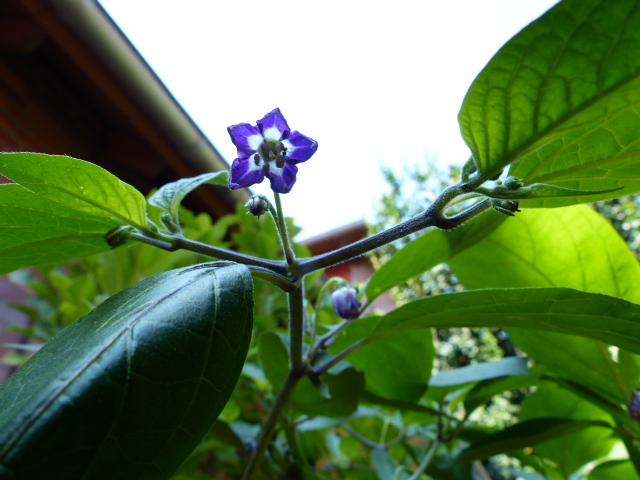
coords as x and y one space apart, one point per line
634 406
269 149
345 302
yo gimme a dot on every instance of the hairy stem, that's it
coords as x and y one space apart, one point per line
172 243
284 233
424 464
432 217
270 425
296 329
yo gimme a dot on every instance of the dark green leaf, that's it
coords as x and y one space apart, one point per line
525 434
561 310
560 99
481 371
170 196
578 448
130 389
274 358
37 231
432 248
76 184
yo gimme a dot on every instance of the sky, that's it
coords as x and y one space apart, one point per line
373 82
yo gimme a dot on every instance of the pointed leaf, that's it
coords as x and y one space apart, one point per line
170 196
431 249
76 184
130 389
525 434
37 231
561 310
561 101
481 371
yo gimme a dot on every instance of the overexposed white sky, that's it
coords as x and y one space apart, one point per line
374 82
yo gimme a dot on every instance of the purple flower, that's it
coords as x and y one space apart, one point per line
634 406
345 302
269 149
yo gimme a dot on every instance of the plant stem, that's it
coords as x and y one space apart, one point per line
338 358
278 280
284 233
171 243
425 461
432 217
296 330
272 420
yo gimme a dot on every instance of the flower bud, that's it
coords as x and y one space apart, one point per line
513 183
257 206
345 302
634 406
118 236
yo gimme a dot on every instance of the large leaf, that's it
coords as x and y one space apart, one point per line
561 310
525 434
77 184
570 247
572 452
561 100
432 248
397 367
37 231
170 196
130 389
481 371
614 470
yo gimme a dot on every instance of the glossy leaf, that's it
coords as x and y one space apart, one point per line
170 196
525 434
570 247
560 310
397 367
560 99
76 184
431 249
485 390
481 371
130 389
37 231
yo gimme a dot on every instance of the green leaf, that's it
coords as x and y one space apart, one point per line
274 358
431 249
342 385
560 101
577 449
170 196
614 470
525 434
537 190
481 371
397 368
525 252
561 310
37 231
76 184
130 389
485 390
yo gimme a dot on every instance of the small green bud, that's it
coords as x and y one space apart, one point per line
513 183
118 236
506 207
257 206
167 220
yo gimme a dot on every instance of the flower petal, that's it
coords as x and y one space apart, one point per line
299 147
282 179
244 173
245 137
273 125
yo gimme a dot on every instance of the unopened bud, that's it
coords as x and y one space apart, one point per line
257 206
513 183
345 303
118 236
634 406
